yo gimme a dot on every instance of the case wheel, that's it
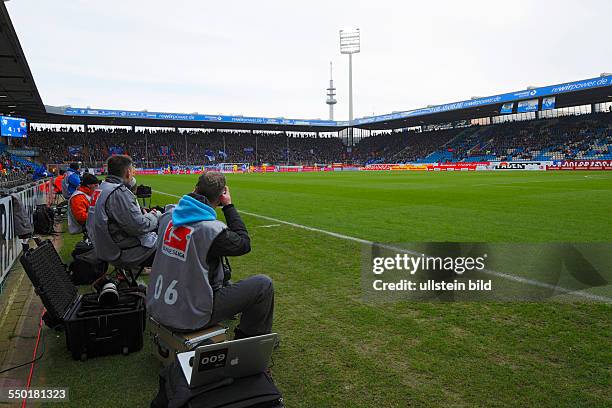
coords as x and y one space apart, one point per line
125 350
165 353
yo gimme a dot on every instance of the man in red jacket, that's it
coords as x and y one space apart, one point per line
57 182
79 203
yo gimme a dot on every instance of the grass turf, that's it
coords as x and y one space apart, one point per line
338 351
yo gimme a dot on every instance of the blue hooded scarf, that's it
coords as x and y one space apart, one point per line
190 210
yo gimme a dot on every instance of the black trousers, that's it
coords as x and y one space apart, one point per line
253 297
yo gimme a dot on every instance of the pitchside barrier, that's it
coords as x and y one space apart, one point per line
246 168
30 195
531 165
543 165
581 165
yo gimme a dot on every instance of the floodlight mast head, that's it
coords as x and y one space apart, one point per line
350 41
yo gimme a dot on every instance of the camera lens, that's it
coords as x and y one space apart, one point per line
109 295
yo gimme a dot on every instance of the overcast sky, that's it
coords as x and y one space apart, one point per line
271 58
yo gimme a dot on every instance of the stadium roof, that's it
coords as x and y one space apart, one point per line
190 120
18 92
19 97
583 92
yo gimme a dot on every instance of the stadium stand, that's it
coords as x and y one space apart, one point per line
569 137
160 147
14 170
577 137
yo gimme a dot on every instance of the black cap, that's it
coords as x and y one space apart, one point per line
88 179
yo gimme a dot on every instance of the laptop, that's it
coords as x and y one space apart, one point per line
231 359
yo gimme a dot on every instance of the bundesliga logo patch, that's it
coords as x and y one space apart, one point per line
176 241
94 197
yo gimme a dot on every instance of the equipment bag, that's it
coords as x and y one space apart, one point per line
85 267
256 391
44 219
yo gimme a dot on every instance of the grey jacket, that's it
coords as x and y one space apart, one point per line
180 294
120 233
21 218
73 225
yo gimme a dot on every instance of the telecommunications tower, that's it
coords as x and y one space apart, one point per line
331 93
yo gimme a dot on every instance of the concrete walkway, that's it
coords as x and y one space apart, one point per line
20 313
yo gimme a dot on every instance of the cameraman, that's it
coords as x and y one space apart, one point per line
79 203
186 287
121 233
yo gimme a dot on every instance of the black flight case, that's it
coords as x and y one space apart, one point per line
91 329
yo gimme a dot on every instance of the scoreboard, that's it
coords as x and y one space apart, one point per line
13 127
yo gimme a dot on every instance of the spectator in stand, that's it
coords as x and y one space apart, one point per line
585 136
79 203
40 172
71 181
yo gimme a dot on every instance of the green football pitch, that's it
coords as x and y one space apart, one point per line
339 350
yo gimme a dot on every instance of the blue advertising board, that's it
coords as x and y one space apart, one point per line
548 103
13 127
199 118
527 106
506 108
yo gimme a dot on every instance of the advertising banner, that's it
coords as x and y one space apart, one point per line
522 165
375 167
460 166
527 106
24 152
149 171
10 245
452 167
548 103
506 108
395 167
581 165
288 169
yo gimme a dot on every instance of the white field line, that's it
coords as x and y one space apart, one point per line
519 279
